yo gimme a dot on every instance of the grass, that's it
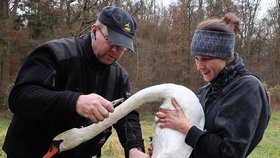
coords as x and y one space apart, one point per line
3 129
269 147
113 148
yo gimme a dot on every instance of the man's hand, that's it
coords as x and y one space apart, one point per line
135 153
93 107
150 150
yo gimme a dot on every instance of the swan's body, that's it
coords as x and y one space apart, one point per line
167 143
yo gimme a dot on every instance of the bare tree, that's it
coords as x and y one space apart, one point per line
7 24
162 41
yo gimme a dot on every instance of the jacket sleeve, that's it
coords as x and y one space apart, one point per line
240 122
34 94
128 128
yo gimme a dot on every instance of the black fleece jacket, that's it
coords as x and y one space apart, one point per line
236 117
44 97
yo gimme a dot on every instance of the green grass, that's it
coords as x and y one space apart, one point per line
269 147
3 129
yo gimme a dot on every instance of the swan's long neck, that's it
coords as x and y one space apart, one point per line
78 136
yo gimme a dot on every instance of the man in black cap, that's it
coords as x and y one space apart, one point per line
70 83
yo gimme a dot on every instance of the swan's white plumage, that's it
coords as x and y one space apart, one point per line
167 143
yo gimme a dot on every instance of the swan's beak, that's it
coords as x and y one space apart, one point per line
54 149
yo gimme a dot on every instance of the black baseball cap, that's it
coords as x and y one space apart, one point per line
120 24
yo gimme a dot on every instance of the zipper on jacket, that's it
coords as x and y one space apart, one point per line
68 82
52 78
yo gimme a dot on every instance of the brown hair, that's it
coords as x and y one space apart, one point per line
229 23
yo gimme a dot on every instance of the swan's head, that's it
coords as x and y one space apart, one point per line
65 141
54 149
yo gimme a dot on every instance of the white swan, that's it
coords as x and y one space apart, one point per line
167 143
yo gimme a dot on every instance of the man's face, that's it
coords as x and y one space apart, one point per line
104 50
209 67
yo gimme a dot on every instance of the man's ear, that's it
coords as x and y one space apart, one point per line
94 27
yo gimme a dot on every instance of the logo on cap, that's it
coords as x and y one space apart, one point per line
127 27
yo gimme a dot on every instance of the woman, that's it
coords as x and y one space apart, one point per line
235 102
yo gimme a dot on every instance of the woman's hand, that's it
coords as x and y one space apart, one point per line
174 119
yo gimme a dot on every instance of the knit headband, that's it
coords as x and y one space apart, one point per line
213 44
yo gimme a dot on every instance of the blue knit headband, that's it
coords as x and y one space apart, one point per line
213 44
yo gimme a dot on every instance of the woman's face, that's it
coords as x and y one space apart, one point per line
209 67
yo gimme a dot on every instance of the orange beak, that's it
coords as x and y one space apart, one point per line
53 150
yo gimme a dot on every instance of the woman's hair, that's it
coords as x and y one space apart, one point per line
230 23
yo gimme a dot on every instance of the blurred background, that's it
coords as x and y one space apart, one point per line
165 30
